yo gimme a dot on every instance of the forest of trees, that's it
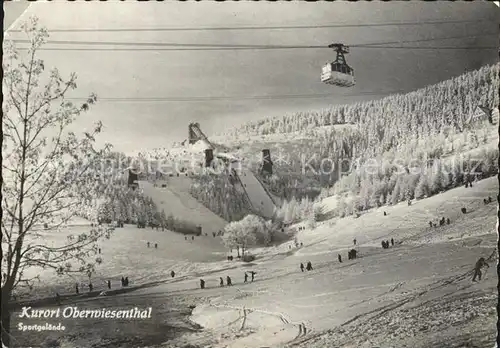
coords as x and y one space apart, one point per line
108 197
220 194
293 211
385 122
433 126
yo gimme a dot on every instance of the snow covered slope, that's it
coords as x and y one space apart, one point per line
418 293
260 199
176 200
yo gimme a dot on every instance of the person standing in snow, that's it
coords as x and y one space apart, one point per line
302 267
309 266
392 241
221 282
477 268
340 258
353 253
246 277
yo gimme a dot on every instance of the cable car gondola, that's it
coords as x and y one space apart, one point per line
338 73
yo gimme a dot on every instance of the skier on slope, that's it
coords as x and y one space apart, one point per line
477 268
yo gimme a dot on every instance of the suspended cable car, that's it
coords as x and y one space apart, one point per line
338 73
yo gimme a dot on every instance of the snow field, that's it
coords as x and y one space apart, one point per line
420 273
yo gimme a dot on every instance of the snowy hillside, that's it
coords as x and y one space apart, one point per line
416 294
447 127
439 120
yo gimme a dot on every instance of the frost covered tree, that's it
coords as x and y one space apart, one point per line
311 218
341 207
44 171
249 231
396 192
105 214
422 189
295 210
259 227
163 217
170 222
437 177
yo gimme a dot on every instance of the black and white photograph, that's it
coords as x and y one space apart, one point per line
250 174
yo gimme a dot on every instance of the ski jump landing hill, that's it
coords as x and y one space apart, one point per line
172 193
175 199
260 199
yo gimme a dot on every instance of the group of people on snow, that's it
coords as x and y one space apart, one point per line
441 222
386 244
308 267
124 282
229 281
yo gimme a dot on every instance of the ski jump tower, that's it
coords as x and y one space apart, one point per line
195 134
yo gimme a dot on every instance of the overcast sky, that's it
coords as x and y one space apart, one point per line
246 73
